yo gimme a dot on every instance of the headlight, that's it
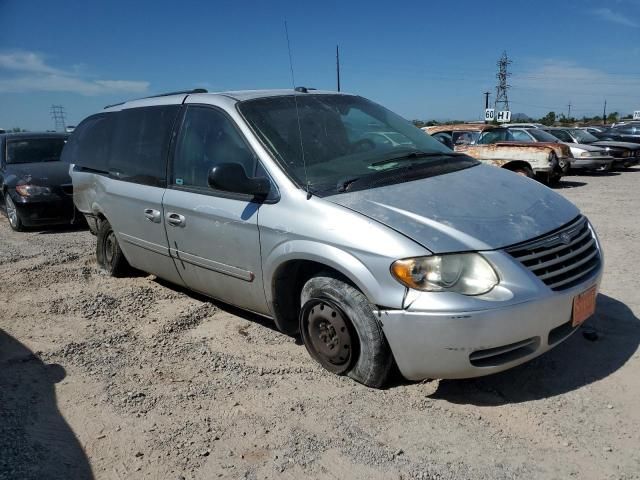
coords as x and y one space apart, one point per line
590 154
465 273
626 154
32 190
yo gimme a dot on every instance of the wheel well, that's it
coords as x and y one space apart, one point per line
287 284
517 165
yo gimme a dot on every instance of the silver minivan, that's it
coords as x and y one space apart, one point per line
283 203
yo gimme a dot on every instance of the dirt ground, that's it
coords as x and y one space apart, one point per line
134 378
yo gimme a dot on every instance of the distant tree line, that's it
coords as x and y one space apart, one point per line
549 119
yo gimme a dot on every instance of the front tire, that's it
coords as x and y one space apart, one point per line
12 214
108 253
341 332
524 171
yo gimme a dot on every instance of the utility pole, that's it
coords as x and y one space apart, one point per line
569 112
604 113
58 114
502 99
338 65
486 102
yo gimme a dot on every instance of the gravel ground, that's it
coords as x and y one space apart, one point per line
133 378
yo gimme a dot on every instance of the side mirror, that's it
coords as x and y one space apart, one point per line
231 177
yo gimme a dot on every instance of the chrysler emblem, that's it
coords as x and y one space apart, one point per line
565 238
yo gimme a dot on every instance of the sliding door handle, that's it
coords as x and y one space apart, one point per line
176 219
152 215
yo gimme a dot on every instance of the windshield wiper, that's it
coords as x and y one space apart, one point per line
414 155
343 185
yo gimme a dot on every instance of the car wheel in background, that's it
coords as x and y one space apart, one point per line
341 332
108 252
524 171
12 213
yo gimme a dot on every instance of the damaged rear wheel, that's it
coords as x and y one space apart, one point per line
108 252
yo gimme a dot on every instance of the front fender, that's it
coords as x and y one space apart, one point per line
380 291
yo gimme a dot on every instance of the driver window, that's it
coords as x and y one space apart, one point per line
208 138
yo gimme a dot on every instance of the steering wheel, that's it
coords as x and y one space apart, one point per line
363 145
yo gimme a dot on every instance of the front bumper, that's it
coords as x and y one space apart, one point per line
437 344
54 209
591 163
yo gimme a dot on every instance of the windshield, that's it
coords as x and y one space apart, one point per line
34 150
322 141
583 136
542 136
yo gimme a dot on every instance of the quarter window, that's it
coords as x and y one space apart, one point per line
208 138
89 145
520 136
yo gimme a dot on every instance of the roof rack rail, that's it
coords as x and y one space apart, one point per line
304 89
194 90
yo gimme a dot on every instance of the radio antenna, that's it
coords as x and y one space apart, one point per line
295 100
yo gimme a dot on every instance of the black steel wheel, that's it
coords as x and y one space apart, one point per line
327 334
108 252
341 331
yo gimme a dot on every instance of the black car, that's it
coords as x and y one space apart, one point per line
34 184
626 154
628 132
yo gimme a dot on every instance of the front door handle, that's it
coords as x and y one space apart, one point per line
176 219
152 215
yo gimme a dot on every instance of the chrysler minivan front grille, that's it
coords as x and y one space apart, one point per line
562 258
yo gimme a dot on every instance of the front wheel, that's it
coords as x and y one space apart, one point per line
341 332
524 171
108 252
12 213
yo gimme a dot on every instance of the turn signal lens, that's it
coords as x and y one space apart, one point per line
465 273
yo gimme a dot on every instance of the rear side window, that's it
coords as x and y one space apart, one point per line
141 140
520 136
562 135
89 146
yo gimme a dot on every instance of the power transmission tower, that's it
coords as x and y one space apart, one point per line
59 116
502 100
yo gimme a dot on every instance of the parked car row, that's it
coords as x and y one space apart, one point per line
344 223
535 150
547 161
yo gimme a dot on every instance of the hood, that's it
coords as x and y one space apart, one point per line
479 208
41 173
589 147
611 143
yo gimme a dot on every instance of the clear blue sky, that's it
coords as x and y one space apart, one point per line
422 59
